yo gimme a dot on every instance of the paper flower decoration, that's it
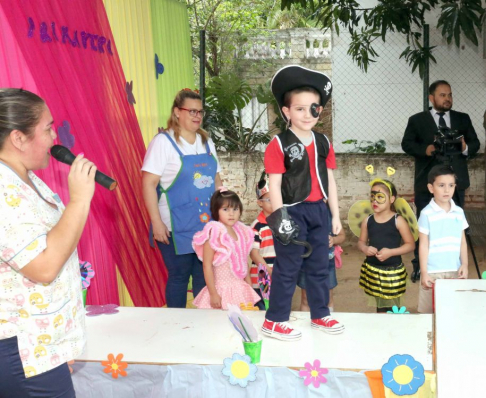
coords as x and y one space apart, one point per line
396 310
95 310
115 366
204 217
239 369
313 374
87 273
403 374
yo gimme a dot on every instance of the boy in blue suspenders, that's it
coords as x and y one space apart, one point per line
299 163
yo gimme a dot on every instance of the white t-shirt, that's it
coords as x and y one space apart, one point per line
163 160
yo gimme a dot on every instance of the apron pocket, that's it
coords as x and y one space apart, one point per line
186 218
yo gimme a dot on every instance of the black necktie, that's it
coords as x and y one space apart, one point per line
442 122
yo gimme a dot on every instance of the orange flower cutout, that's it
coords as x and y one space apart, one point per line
115 366
204 217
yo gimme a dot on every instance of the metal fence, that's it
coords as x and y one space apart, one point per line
366 108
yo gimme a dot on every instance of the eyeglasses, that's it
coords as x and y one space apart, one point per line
194 112
379 197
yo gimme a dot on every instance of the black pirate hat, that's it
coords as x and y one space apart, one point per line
294 76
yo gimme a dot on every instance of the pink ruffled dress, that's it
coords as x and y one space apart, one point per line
230 264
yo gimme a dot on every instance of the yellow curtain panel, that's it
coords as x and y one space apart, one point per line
172 44
131 24
142 29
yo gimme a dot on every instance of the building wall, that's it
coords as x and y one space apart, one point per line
241 173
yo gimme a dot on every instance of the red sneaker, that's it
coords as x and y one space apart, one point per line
327 324
280 330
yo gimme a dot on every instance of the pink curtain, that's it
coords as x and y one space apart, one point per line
83 84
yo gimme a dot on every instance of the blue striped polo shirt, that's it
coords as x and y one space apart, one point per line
445 233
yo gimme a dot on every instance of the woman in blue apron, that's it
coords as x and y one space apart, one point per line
180 173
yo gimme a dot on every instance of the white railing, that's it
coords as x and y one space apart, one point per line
286 44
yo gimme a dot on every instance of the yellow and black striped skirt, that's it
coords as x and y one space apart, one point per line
386 282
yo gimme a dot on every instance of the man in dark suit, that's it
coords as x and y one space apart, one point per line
418 142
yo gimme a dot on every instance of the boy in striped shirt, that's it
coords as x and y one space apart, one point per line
443 248
263 237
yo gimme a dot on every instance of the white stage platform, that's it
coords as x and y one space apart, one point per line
460 339
205 337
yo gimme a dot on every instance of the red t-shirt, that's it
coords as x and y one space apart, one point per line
274 164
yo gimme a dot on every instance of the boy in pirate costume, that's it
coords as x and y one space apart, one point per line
299 164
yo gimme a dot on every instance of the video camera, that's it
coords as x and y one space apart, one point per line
448 142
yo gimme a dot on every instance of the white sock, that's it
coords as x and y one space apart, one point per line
331 309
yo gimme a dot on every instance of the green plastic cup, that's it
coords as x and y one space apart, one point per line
253 350
266 302
85 291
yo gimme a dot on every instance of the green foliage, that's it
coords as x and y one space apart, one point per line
226 96
461 16
367 146
228 22
228 92
405 17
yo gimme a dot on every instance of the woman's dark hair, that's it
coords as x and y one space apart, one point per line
220 199
19 110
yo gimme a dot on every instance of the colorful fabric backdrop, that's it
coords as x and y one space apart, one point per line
68 53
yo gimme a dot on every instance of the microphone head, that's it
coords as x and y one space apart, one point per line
62 154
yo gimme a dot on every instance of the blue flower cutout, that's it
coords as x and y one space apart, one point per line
396 310
403 374
159 68
239 369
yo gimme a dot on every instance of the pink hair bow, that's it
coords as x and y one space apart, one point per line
222 189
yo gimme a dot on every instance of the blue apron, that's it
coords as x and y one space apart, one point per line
189 196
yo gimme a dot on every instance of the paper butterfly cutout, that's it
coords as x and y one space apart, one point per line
95 310
64 132
128 90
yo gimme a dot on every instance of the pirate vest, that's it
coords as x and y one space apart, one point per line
296 181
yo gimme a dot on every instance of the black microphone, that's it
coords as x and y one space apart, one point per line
64 155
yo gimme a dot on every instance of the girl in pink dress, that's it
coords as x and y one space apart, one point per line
223 246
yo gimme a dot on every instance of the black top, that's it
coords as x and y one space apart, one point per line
382 235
